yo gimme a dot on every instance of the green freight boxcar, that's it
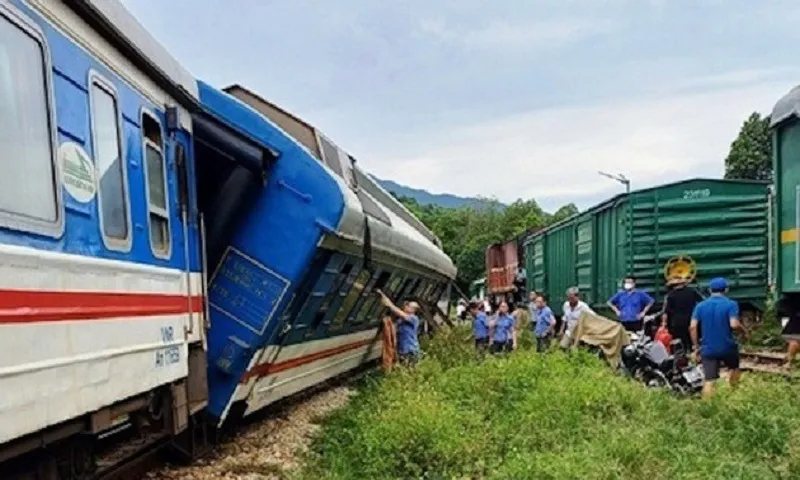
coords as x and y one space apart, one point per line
785 120
723 225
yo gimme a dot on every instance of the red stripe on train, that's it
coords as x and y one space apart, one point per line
273 368
27 306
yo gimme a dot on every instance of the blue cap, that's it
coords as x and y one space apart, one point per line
718 284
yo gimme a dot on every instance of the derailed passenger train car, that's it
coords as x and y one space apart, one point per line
292 299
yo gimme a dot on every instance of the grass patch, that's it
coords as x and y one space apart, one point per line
554 416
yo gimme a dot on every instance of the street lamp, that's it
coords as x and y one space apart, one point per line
625 181
619 178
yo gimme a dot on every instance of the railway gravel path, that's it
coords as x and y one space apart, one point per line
267 449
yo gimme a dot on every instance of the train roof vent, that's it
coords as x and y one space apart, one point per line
336 159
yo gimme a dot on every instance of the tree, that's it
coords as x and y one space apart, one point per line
466 231
565 212
750 156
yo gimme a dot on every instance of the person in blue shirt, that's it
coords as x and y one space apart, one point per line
717 317
503 332
407 324
480 328
532 307
631 305
545 324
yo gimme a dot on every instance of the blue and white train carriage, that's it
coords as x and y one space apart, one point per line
100 266
166 251
292 297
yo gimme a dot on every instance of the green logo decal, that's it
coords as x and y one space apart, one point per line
77 172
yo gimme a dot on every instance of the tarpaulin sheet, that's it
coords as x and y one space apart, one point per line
599 331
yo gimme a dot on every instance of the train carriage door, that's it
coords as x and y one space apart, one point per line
186 233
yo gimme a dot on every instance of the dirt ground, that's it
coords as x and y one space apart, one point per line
267 449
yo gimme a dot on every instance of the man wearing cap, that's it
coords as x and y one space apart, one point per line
717 317
678 308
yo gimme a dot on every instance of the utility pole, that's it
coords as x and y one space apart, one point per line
625 181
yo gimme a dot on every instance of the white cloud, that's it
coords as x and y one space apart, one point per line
555 154
501 35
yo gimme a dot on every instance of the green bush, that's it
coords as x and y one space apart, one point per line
553 416
767 335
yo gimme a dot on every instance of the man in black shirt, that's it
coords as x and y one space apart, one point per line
678 308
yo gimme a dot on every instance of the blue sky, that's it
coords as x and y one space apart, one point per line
507 98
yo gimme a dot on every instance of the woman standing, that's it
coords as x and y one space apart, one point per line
504 335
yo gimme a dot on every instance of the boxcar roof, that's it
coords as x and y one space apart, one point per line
620 196
788 106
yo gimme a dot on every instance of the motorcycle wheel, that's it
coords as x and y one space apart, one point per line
655 379
680 390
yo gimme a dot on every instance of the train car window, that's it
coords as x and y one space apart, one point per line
351 299
430 291
29 196
416 292
109 161
403 292
394 284
371 299
157 193
335 291
306 286
436 294
321 278
374 314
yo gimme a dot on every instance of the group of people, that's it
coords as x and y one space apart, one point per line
496 330
707 325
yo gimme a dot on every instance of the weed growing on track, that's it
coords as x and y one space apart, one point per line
552 416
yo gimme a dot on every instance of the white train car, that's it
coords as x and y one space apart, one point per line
100 283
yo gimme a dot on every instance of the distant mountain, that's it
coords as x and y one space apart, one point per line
424 197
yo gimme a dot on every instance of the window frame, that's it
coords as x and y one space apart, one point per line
369 300
121 245
338 284
333 326
158 253
15 221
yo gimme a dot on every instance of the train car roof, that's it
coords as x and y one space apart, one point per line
111 19
788 106
390 233
309 136
396 237
622 196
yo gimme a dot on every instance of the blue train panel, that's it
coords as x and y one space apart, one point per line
273 244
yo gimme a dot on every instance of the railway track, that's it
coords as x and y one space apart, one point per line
765 358
770 363
133 458
145 456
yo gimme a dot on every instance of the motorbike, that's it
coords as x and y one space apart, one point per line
648 360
